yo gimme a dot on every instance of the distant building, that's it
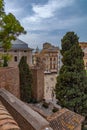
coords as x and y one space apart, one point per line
35 56
19 49
48 56
84 48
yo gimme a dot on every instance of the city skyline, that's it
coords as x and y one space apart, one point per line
49 20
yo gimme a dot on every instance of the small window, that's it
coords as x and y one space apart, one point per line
86 64
54 59
50 65
25 51
50 59
54 66
15 50
15 58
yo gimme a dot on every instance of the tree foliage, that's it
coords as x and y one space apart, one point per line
6 58
71 87
1 8
10 28
25 80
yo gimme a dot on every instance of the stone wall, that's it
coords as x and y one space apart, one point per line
38 83
43 84
6 120
26 118
49 85
9 79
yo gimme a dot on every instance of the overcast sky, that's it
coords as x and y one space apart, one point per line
49 20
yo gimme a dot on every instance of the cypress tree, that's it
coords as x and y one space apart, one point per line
25 80
71 87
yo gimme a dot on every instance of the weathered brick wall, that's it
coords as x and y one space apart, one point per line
38 83
9 79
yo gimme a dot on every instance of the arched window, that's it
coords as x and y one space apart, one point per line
54 59
50 59
15 58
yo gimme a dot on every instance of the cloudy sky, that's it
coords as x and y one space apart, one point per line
49 20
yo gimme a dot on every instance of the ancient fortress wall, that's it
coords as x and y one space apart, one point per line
9 79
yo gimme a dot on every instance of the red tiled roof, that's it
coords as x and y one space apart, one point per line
6 120
65 120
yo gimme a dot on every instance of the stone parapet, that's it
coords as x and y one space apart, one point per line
26 118
7 122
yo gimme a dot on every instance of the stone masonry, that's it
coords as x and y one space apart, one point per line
49 85
9 79
26 118
38 83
